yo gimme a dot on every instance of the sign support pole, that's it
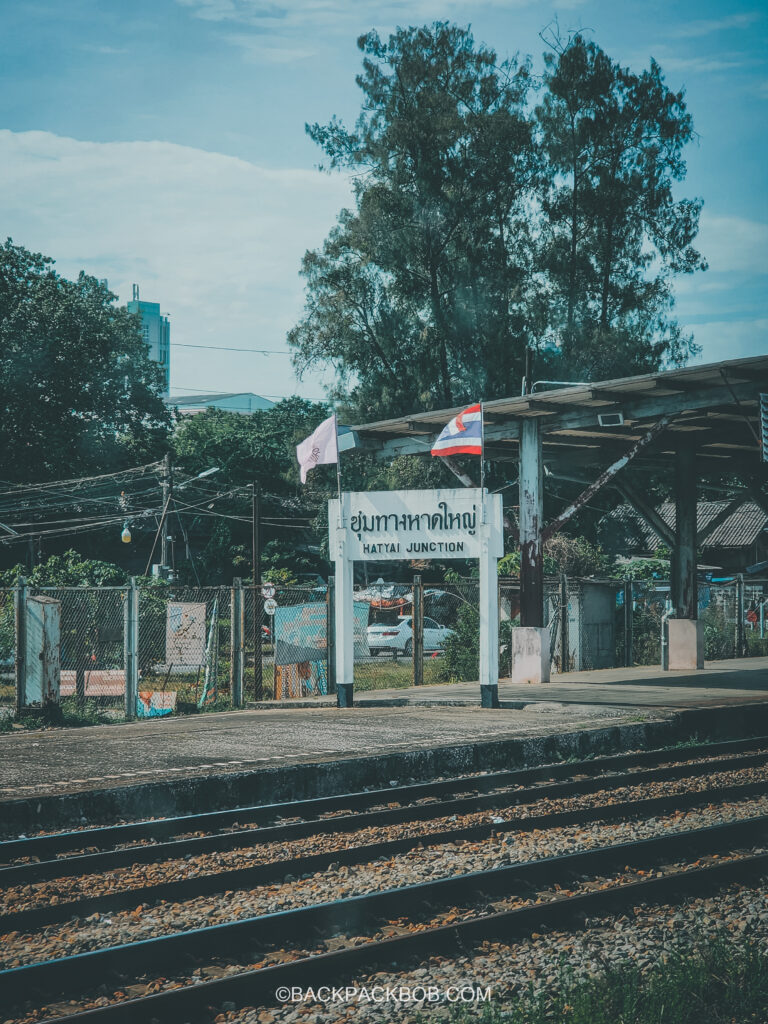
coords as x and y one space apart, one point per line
489 623
344 612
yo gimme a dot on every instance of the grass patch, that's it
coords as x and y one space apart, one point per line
715 983
66 713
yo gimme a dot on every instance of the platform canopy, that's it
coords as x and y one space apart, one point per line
701 419
714 406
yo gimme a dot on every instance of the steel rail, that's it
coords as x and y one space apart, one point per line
50 845
72 975
26 874
276 870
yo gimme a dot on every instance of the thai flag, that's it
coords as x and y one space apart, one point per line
463 435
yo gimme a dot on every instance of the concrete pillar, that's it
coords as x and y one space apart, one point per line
531 524
530 654
686 644
686 637
685 595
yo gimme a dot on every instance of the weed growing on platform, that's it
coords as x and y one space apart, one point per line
717 983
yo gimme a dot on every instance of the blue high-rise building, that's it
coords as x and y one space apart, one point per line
156 329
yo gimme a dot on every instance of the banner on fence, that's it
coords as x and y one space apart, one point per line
301 632
185 635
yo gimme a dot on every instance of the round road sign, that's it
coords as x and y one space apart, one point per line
268 590
270 606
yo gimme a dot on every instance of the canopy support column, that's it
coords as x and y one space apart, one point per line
686 638
531 524
530 643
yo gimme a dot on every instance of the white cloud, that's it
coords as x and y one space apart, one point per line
286 14
702 65
733 244
216 240
272 49
696 29
732 339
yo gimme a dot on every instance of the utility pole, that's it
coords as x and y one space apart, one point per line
528 372
167 496
258 605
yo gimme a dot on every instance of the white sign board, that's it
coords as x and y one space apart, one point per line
405 525
408 525
185 634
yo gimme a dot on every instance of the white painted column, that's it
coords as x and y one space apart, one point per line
344 624
489 624
530 641
491 548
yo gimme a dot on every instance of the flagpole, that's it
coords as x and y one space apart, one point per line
338 465
482 460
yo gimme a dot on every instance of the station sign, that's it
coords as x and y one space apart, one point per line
447 523
270 606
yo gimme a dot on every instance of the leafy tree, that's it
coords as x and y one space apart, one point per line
613 232
416 298
480 227
574 556
67 570
79 391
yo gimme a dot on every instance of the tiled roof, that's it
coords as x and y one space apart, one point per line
740 529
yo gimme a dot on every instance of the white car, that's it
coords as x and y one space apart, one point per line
399 636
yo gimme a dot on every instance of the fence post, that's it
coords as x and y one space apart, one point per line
330 633
131 648
629 621
418 631
565 647
741 641
20 615
236 643
258 646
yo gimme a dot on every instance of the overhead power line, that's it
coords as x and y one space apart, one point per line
229 348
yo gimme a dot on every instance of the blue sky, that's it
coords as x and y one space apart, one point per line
163 143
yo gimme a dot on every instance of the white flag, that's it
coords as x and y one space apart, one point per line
319 449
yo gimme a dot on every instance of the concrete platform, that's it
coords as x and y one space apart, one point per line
737 681
182 764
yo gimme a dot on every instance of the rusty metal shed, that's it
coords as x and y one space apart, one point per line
698 421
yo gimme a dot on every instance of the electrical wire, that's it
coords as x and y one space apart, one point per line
228 348
81 479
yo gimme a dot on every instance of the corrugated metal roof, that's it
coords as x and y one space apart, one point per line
711 406
740 529
592 395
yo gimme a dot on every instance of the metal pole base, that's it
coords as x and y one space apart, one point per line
345 695
489 696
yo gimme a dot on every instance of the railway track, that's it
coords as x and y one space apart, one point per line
70 976
341 937
23 865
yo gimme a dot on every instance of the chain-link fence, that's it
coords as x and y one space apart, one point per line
160 649
91 655
384 636
184 649
733 613
285 640
7 651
